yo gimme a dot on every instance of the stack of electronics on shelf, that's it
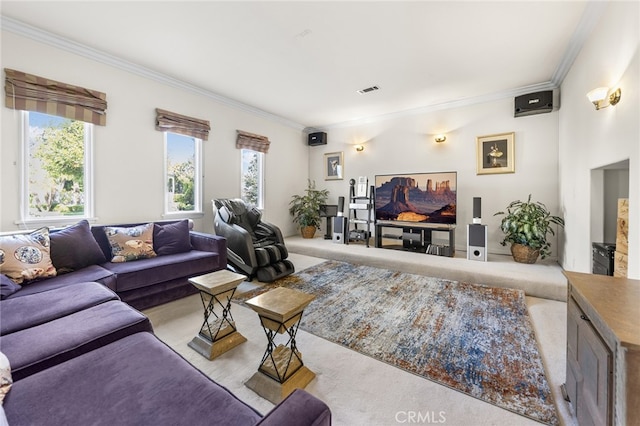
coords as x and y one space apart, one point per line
360 208
356 227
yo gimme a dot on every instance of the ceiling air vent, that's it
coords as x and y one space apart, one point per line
368 89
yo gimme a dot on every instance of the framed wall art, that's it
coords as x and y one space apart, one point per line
333 166
495 154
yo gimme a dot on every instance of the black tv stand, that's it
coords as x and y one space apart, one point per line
418 238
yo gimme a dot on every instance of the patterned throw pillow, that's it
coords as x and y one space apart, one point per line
5 376
25 257
129 244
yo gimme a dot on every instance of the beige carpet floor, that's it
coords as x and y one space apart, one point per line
358 389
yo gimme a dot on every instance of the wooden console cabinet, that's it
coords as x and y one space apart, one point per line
603 349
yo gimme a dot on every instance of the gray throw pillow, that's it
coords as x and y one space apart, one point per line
171 238
74 248
7 287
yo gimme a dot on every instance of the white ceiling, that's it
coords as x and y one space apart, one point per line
304 61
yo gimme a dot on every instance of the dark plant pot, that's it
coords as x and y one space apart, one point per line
524 254
308 231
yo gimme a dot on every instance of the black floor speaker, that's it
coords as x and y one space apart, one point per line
477 242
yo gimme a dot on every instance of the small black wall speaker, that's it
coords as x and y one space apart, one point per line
533 103
317 138
477 210
477 242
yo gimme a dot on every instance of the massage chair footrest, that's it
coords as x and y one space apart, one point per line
275 271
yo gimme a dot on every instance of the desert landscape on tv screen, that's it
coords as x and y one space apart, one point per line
418 197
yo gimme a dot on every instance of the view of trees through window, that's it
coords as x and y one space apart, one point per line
181 173
56 181
251 181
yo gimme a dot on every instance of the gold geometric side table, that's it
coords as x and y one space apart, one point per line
218 332
281 370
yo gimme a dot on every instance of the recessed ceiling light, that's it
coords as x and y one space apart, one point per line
368 89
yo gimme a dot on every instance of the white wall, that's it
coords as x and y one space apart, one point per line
591 139
129 151
406 145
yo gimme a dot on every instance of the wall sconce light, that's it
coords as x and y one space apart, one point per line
440 138
359 148
599 97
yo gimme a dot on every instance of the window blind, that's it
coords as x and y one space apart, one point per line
167 121
252 141
29 92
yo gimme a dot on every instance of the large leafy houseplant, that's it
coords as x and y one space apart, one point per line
305 208
527 224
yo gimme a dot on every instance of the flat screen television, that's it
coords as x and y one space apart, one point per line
418 199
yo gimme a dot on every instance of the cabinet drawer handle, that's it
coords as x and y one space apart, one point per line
584 317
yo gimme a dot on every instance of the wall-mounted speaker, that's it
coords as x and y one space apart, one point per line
535 103
317 138
477 210
477 242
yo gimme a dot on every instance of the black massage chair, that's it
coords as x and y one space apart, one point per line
254 248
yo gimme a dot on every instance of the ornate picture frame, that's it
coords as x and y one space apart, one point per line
495 154
333 166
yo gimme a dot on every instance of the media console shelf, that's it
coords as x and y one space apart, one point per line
418 238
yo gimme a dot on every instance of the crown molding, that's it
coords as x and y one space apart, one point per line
590 18
42 36
459 103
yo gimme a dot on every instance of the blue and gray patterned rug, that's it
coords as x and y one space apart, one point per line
471 338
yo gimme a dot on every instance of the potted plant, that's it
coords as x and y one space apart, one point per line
305 209
526 225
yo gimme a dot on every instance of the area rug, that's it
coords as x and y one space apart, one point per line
471 338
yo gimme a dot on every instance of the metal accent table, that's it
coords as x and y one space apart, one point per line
218 332
281 369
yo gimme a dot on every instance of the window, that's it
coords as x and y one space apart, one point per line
252 180
57 168
183 177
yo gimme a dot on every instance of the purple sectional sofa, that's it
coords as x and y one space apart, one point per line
40 330
81 253
79 355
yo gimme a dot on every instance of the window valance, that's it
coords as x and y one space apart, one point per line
252 141
32 93
167 121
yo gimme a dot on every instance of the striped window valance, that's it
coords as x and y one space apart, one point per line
252 141
167 121
29 92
